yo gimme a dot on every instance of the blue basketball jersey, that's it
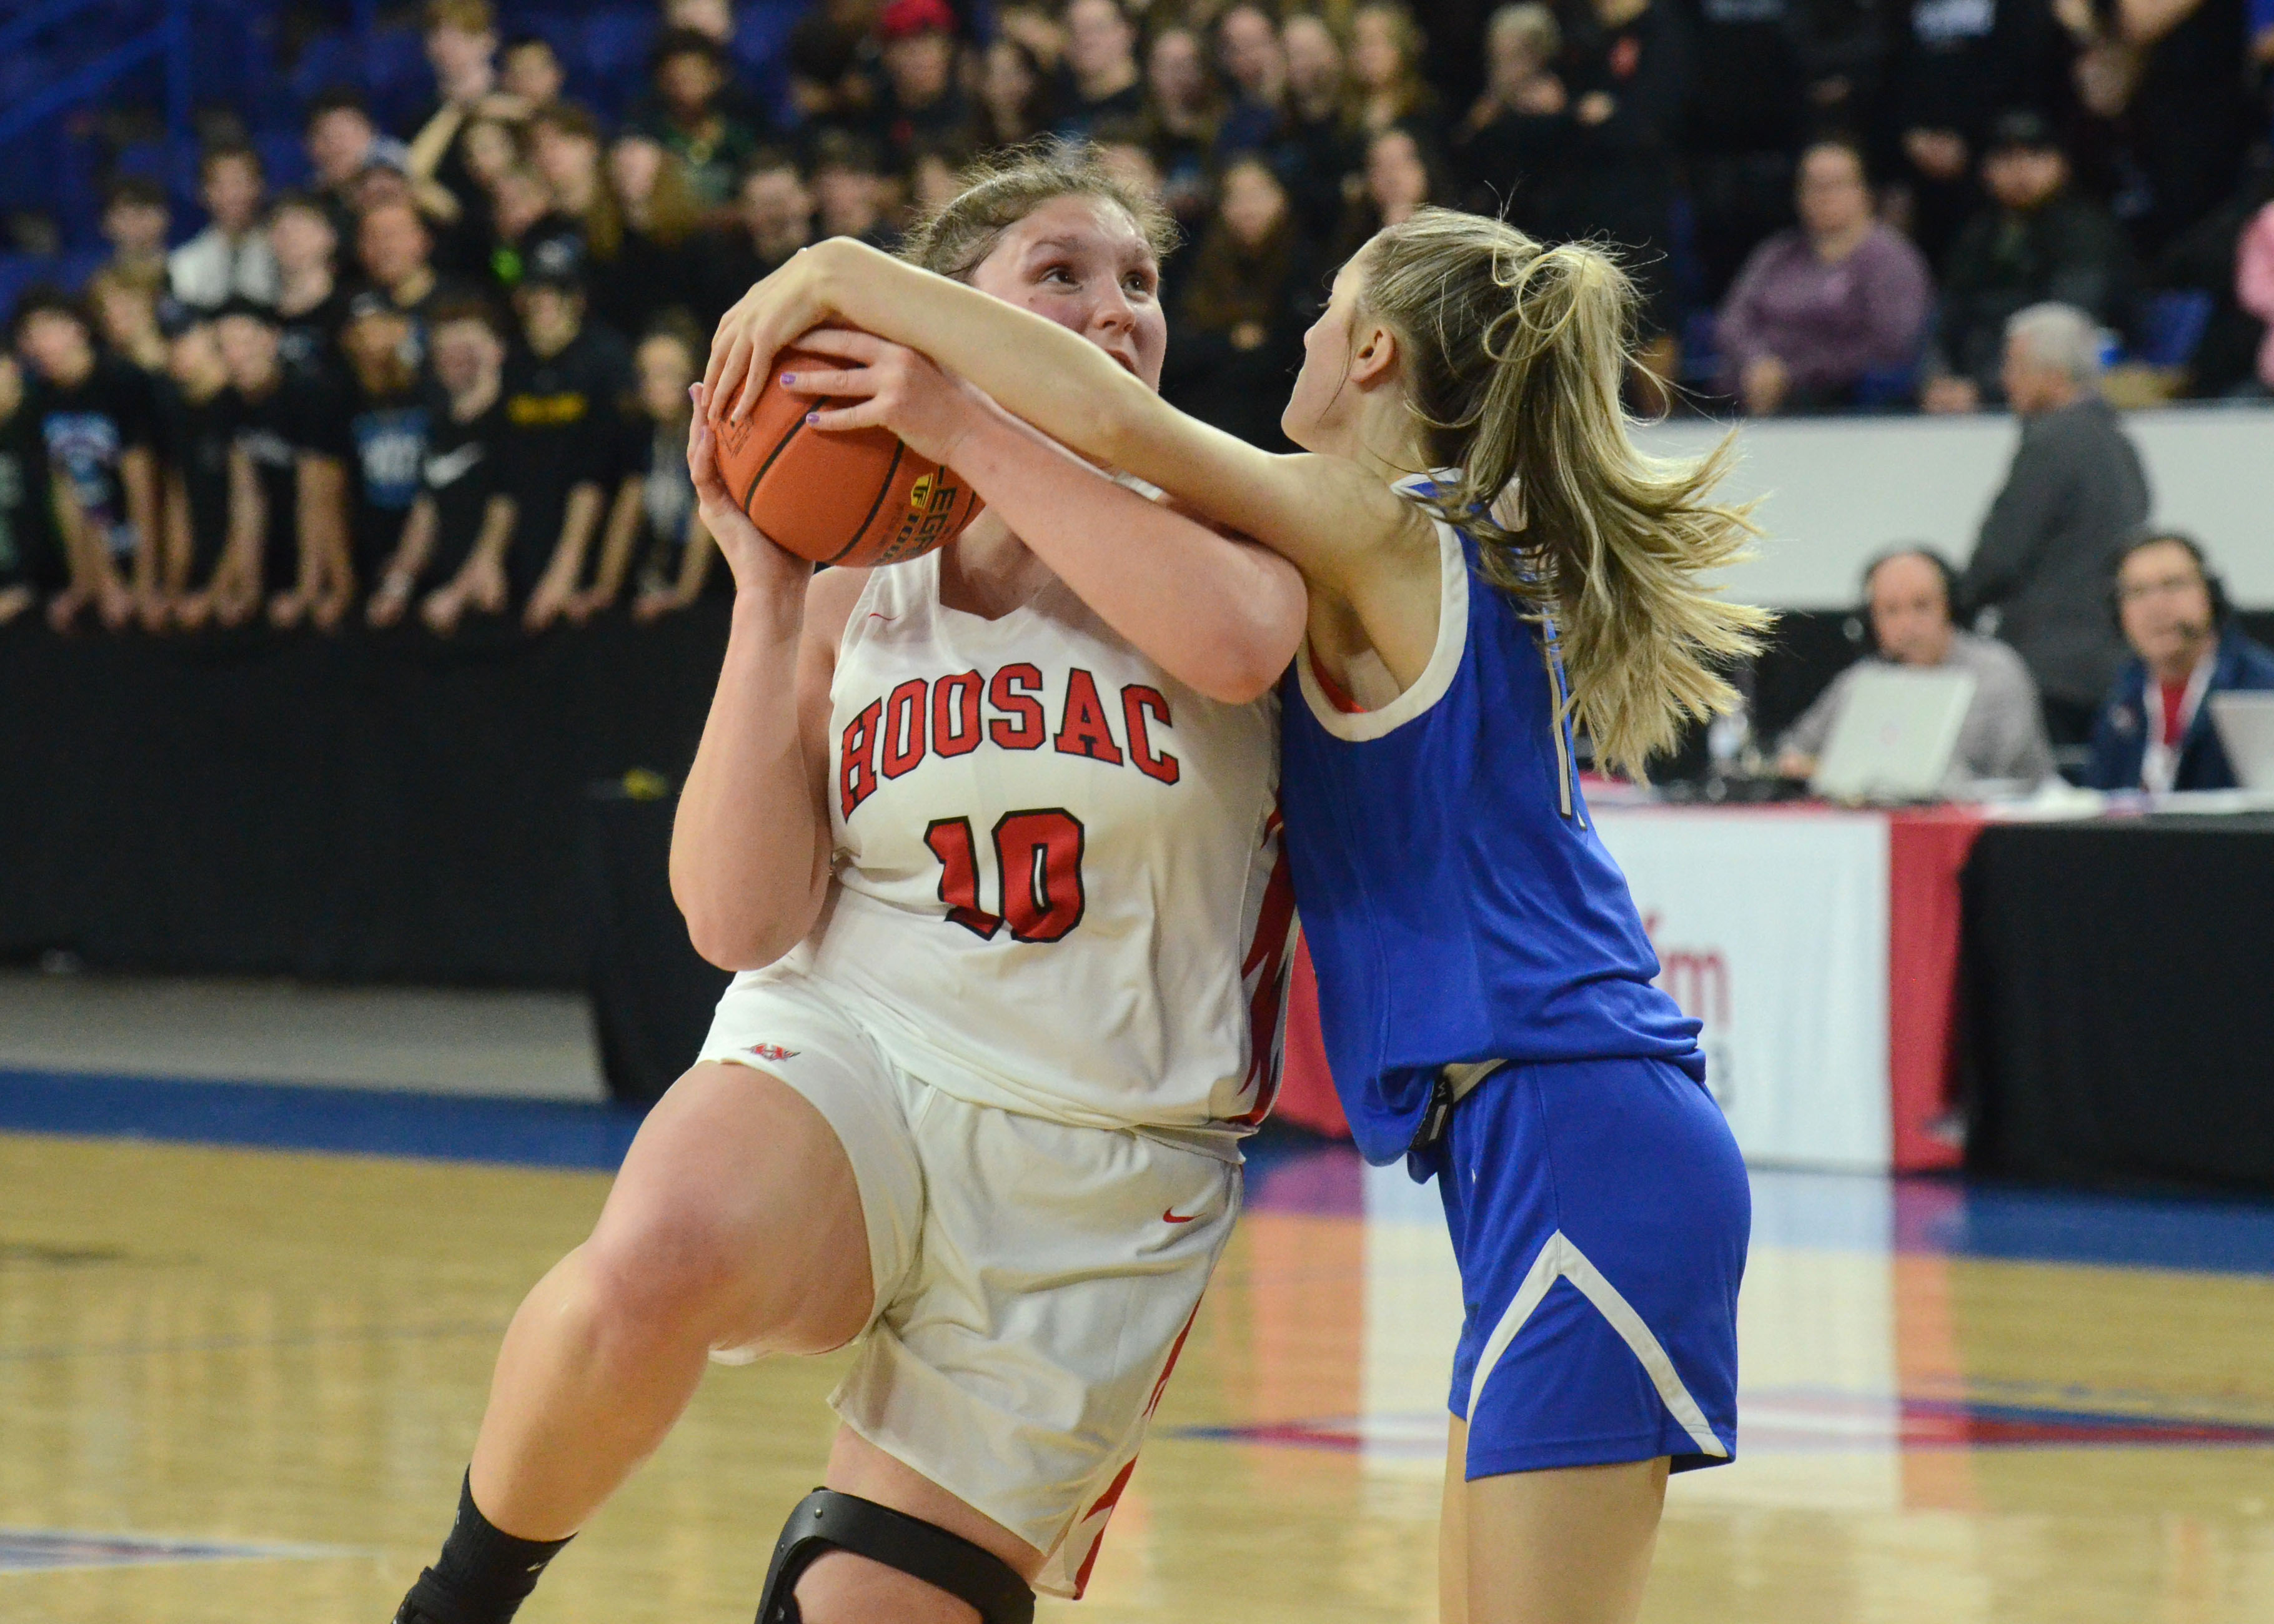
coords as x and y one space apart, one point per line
1457 900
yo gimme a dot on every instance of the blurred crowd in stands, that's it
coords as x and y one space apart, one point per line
447 377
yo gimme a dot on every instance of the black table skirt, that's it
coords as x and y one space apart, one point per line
2121 982
369 807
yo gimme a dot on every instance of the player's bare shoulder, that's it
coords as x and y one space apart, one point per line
829 602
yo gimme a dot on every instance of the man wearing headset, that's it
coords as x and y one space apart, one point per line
1907 596
2155 730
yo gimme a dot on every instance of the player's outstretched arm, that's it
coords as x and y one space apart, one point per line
1319 512
750 842
1220 614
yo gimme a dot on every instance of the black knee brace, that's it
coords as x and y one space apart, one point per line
827 1521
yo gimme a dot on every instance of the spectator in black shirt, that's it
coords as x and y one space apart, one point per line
677 560
297 543
1248 50
1956 64
454 544
1746 119
197 431
126 319
2161 77
395 251
828 52
1629 80
714 20
1182 110
1101 81
657 266
1314 153
32 499
564 147
564 383
310 303
1511 148
921 100
2038 241
372 425
526 222
687 114
1246 301
1398 180
777 220
1013 94
1386 86
461 38
97 416
848 190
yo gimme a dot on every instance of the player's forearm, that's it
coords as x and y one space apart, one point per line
1081 397
1043 372
1221 616
749 854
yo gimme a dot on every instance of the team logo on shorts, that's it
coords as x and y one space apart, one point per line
771 1051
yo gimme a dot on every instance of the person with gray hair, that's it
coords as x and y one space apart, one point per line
2074 490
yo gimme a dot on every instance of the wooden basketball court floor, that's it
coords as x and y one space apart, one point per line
238 1381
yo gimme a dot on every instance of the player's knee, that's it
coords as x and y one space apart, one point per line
665 1270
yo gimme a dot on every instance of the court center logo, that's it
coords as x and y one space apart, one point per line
1698 980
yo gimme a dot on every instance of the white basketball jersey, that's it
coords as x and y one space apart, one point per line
1059 887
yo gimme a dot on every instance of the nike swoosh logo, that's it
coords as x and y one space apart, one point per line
1169 1215
441 470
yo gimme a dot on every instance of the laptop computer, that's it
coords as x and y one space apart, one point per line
1896 735
2246 728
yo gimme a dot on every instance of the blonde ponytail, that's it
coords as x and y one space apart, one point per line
1517 357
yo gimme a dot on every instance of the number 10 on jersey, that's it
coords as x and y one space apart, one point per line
1038 856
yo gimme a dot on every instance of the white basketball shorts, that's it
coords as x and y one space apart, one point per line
1033 1281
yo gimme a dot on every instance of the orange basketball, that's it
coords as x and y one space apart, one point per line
853 498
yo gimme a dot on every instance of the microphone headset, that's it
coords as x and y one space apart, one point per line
2215 586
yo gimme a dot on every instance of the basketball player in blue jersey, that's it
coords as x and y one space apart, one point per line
1489 559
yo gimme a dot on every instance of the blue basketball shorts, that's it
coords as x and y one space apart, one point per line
1599 1214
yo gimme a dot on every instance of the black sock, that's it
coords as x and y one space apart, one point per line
484 1574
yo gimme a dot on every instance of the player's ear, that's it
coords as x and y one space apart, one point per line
1374 354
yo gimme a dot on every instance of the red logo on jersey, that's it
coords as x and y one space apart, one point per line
771 1051
894 735
1169 1215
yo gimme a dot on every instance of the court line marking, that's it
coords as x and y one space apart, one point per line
232 1344
44 1550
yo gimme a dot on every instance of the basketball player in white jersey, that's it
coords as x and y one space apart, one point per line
1005 888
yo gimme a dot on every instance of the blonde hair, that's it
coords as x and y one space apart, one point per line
1516 353
1004 187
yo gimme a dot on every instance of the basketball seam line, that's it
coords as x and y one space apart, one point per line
772 457
884 485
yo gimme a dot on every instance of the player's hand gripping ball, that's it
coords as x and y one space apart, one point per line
853 497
